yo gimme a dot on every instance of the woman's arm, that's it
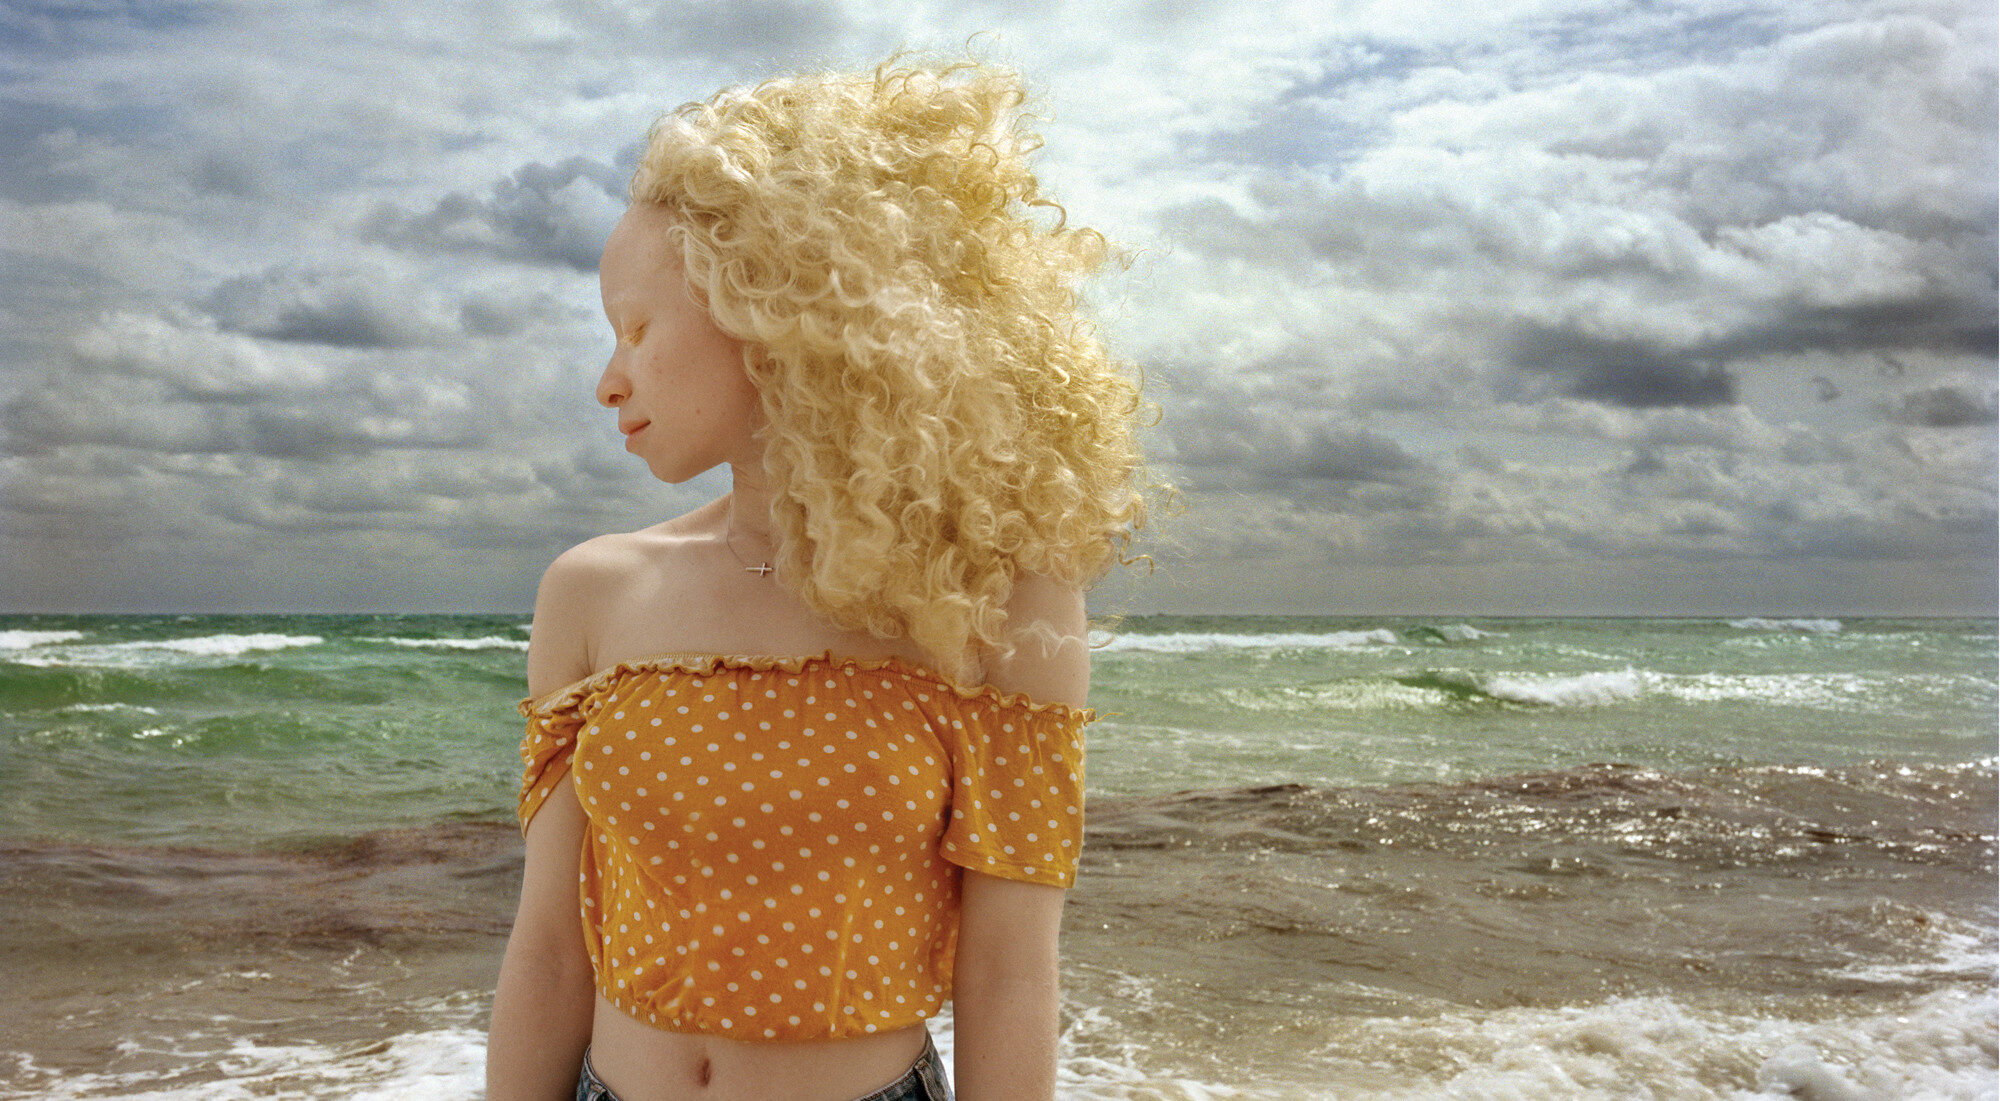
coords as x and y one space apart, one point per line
542 1008
546 994
1006 996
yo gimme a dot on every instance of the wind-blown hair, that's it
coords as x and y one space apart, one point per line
940 417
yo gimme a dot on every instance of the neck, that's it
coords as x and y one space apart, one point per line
749 512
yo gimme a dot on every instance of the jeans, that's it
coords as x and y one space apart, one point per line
925 1081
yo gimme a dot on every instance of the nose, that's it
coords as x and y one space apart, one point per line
612 386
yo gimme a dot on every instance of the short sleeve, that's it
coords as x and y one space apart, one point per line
1017 791
546 748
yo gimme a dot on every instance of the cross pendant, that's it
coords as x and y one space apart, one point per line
760 570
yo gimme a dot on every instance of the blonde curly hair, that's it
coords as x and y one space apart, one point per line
940 417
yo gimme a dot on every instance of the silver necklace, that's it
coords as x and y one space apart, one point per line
762 569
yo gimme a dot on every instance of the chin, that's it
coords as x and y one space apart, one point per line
677 474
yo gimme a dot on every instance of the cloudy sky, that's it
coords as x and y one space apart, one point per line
1456 308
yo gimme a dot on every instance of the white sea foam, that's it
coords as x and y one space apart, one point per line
1103 1059
1940 1045
107 708
446 1064
1958 949
489 642
143 653
222 646
1582 690
1793 689
1462 632
1810 626
1202 642
28 640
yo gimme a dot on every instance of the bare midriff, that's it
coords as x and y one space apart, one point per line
641 1063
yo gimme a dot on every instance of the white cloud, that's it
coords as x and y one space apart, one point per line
1576 295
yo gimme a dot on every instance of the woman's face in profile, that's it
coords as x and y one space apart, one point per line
684 401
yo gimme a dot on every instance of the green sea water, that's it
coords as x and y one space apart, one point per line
274 856
1342 702
258 730
251 731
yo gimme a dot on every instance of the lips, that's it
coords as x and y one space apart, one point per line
632 431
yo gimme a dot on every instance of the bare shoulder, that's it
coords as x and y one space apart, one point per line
570 605
604 599
596 563
1048 629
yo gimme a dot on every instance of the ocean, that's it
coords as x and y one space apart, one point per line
275 857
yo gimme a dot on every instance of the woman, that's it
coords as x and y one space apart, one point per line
806 763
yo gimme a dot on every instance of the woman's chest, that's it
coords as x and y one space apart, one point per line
731 768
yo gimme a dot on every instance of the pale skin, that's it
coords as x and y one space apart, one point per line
680 392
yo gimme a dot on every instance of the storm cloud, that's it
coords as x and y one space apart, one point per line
541 214
1507 307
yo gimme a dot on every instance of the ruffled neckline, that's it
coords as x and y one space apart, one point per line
573 695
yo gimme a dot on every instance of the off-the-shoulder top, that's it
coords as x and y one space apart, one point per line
774 845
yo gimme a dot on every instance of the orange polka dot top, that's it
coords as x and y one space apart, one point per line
774 845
